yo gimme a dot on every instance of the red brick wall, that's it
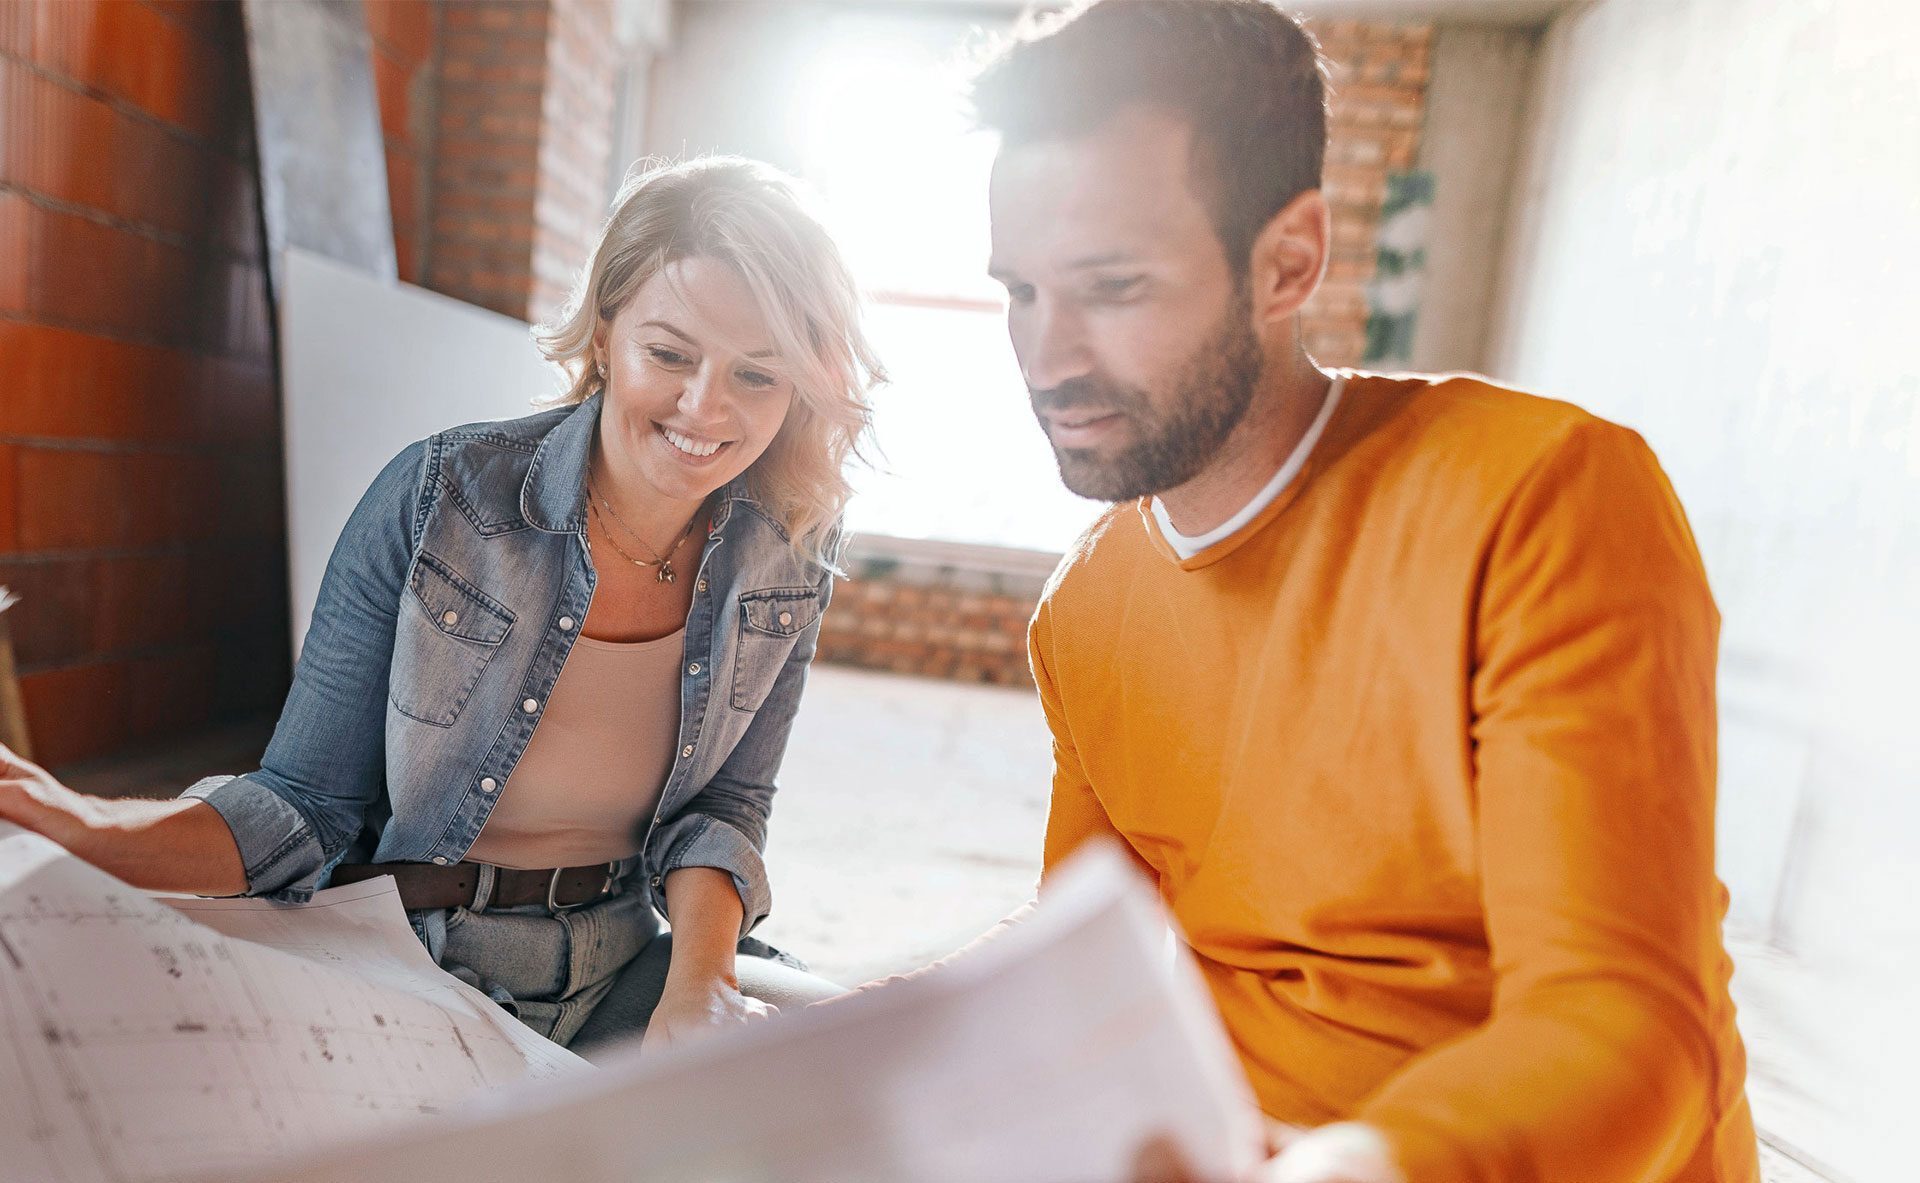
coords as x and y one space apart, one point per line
576 144
140 487
934 629
492 70
525 126
1379 104
406 36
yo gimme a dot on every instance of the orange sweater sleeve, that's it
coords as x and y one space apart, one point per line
1593 737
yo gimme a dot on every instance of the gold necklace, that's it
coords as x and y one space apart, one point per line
664 562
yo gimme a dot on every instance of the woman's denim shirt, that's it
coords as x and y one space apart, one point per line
450 603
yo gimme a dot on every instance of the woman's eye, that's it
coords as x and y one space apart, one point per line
666 357
758 380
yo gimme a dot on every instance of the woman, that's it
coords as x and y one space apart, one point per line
554 660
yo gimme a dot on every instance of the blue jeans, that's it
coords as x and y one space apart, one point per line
590 977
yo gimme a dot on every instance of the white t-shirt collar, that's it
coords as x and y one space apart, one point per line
1187 546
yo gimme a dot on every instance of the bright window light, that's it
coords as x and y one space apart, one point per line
887 143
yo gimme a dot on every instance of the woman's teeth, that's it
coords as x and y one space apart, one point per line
688 444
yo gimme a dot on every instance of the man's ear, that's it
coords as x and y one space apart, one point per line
1289 259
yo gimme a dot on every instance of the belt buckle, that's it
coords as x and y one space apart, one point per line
553 890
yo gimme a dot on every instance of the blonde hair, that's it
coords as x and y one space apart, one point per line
746 215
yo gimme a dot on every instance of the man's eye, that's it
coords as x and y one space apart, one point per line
665 356
1118 287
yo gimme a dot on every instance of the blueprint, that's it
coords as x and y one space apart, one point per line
1051 1054
148 1039
236 1040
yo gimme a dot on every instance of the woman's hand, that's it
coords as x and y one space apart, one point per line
688 1012
177 845
32 798
702 995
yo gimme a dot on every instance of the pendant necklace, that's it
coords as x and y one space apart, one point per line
665 562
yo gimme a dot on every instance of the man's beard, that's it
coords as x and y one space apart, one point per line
1210 396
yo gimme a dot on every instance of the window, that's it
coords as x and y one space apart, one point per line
887 144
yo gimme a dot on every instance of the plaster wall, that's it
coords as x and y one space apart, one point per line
1471 146
1711 241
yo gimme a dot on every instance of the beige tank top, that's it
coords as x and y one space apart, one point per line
595 766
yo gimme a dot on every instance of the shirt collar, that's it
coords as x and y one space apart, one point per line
1186 546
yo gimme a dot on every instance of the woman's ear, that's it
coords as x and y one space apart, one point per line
597 358
1289 258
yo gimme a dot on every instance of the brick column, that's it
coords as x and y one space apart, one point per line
405 36
1379 105
525 112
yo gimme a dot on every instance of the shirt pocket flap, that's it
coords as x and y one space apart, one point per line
780 611
456 607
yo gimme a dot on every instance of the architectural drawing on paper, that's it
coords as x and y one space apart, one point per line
140 1043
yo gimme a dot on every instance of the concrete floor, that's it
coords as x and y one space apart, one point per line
908 821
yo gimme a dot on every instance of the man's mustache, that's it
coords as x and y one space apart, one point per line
1083 392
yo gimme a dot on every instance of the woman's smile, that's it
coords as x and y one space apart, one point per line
691 448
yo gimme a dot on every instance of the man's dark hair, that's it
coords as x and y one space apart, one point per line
1243 74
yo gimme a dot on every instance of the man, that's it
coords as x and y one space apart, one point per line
1401 689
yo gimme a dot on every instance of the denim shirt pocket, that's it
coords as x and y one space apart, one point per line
770 622
447 632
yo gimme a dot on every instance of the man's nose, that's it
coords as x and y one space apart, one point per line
1055 347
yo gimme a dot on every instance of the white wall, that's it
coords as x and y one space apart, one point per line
733 78
1471 145
1714 241
368 366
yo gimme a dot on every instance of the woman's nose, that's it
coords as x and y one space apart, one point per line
704 397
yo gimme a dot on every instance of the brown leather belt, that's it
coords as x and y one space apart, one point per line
427 885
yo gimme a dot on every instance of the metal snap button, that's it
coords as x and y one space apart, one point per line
786 618
530 706
450 617
694 668
439 860
488 784
566 624
686 751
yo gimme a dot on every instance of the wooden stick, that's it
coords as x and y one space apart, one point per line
13 711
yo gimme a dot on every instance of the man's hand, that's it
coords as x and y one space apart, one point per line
1346 1152
1343 1153
688 1012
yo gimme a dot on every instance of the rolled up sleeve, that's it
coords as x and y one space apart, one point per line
326 763
278 846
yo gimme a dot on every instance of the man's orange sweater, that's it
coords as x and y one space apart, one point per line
1422 760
